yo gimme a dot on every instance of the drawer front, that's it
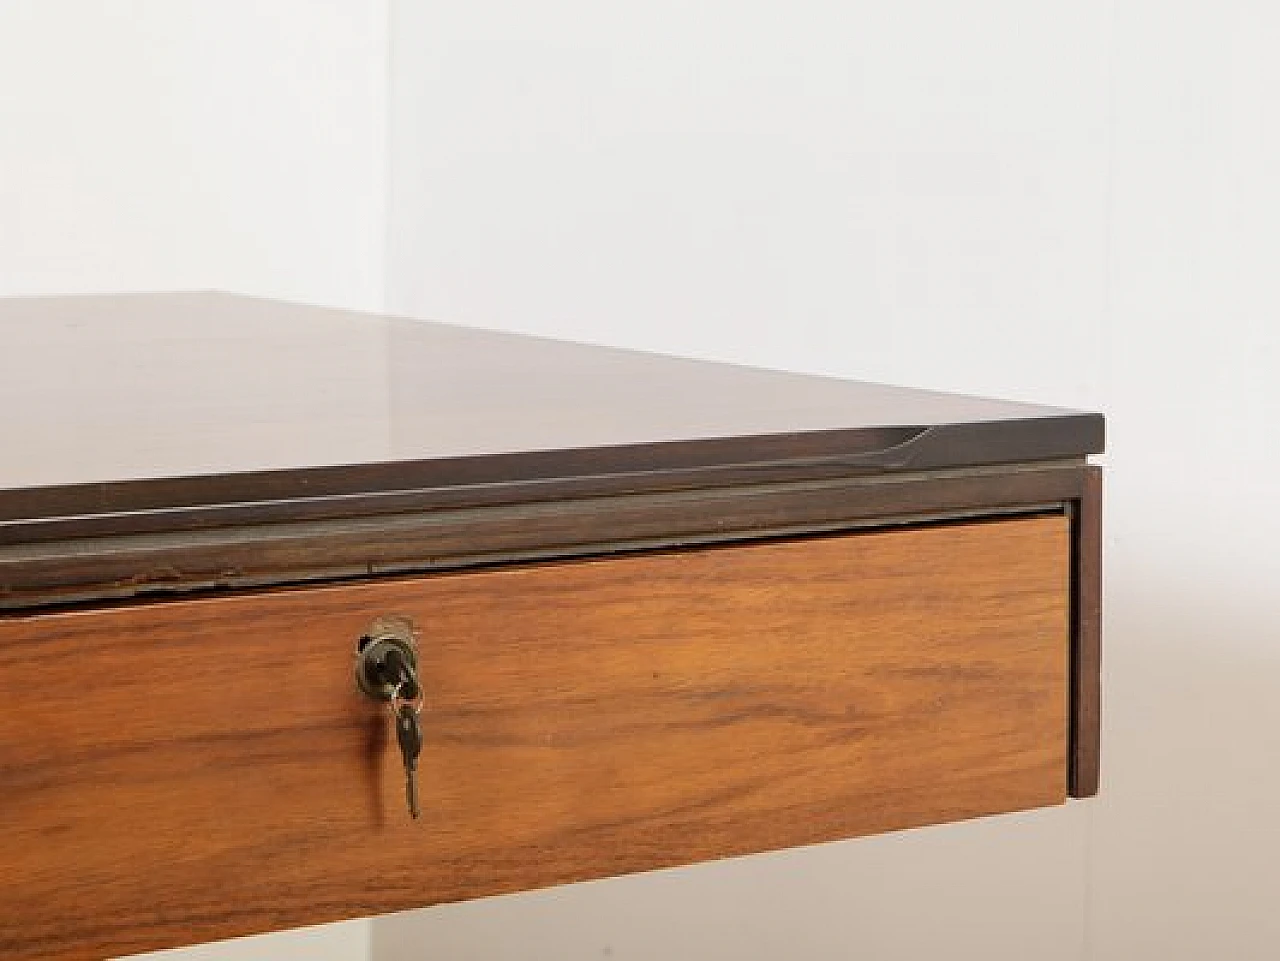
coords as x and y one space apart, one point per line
186 771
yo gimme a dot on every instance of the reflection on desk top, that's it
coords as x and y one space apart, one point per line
151 401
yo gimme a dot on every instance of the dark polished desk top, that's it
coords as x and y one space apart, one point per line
123 403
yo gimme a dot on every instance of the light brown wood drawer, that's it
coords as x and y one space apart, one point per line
190 770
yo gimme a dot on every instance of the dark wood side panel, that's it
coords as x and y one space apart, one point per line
191 770
1086 671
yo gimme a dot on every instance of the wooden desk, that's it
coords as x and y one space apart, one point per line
665 611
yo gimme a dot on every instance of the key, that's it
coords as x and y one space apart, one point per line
396 669
409 734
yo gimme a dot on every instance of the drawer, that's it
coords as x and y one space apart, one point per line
184 771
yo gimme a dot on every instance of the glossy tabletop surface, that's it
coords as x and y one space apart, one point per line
101 393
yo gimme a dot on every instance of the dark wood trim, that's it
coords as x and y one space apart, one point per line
1086 673
39 571
639 468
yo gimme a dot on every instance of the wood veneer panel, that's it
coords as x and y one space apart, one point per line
187 771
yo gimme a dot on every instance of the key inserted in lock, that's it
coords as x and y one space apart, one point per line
387 659
387 670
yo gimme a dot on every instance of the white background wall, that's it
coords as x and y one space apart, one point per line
1072 203
159 144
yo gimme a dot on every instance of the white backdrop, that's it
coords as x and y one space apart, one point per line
1069 203
161 144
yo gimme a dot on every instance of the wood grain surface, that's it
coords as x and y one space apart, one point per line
186 771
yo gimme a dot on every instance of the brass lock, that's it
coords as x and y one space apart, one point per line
387 659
